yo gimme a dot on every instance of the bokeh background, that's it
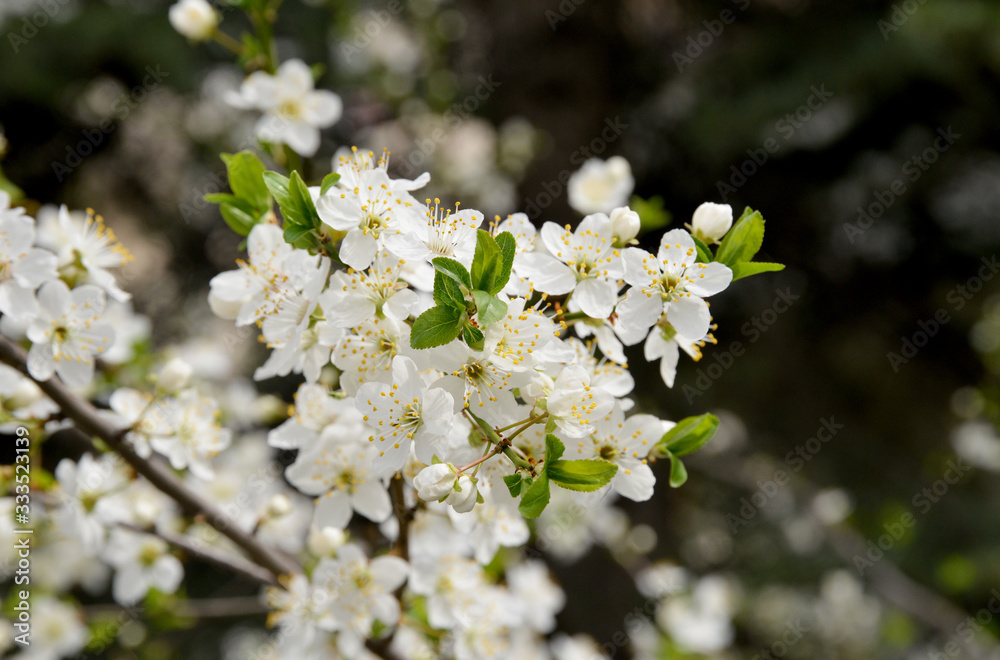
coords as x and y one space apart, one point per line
105 106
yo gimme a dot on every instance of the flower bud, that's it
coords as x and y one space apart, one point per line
175 375
711 221
279 505
624 225
435 481
195 19
324 542
463 496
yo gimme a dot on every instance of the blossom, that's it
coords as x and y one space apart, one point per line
664 343
600 186
194 434
340 470
67 334
315 415
195 19
57 630
358 295
463 495
404 413
141 561
294 110
23 268
584 262
671 282
84 486
91 249
626 443
539 597
574 405
625 225
175 375
435 481
711 221
369 212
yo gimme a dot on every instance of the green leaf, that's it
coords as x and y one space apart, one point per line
304 210
516 484
299 236
652 215
535 498
454 270
583 476
473 336
554 448
748 268
744 240
329 181
447 292
246 178
704 253
278 185
490 308
436 327
487 264
689 435
678 473
237 219
508 246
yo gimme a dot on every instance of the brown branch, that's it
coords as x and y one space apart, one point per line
89 421
404 516
210 555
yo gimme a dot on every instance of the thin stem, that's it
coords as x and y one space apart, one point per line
227 42
492 436
90 421
529 424
489 454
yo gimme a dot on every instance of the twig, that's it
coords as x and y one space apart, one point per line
212 556
89 421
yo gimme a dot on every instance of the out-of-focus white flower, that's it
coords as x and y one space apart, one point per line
57 629
324 542
978 443
23 268
600 186
294 110
195 19
702 622
141 561
67 334
175 375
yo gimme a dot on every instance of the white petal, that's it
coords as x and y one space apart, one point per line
634 480
358 249
677 247
546 273
333 510
689 315
596 297
709 279
639 311
372 501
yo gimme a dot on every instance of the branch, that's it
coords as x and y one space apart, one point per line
88 419
404 516
211 555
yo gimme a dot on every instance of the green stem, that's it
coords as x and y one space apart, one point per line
227 42
529 424
493 437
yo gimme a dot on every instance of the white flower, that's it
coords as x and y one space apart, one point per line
294 110
361 592
574 405
664 344
600 186
67 334
23 268
274 271
339 469
355 296
316 414
626 443
701 623
625 225
91 250
404 413
194 434
711 221
175 375
584 262
442 234
367 354
326 541
435 481
538 597
141 561
369 212
84 487
524 233
195 19
463 495
57 630
489 526
671 282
